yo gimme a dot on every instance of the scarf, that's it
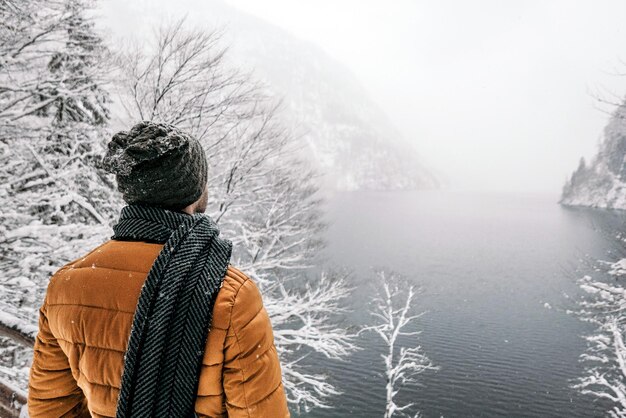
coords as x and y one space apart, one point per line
171 323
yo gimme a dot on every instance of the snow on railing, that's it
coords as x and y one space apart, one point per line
17 329
12 401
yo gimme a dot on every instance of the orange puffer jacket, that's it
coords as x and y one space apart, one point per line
85 323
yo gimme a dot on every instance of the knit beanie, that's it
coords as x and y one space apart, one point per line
157 164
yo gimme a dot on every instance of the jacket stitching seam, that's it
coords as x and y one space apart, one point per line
243 375
269 394
96 383
262 354
80 305
108 268
92 346
253 317
209 395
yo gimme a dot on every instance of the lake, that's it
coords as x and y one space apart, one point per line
497 273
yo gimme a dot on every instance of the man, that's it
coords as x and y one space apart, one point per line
156 321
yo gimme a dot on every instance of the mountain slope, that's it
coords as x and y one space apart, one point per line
602 182
348 135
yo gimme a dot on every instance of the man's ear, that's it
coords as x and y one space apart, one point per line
191 209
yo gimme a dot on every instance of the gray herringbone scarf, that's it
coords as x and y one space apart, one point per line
171 323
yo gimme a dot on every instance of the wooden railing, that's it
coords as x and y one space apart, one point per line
17 334
13 399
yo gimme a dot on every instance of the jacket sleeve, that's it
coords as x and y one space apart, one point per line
52 390
252 373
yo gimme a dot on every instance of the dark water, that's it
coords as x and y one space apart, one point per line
487 264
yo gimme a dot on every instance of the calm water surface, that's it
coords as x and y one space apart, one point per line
487 265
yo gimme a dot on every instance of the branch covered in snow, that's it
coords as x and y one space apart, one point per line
54 200
303 322
392 311
57 202
605 306
263 196
12 400
21 331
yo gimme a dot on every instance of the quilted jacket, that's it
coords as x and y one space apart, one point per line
85 323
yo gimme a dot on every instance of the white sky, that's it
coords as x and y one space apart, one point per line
498 95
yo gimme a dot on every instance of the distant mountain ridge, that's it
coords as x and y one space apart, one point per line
601 183
349 137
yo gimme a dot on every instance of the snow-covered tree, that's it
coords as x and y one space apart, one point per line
605 306
55 89
263 194
53 116
601 180
393 317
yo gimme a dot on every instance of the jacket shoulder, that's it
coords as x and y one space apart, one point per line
235 277
110 266
77 261
237 287
63 270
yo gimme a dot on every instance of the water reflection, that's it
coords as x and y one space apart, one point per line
498 272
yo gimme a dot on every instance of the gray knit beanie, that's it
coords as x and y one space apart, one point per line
157 164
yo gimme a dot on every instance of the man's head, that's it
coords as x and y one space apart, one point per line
157 164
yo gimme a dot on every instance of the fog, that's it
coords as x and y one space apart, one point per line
494 95
504 295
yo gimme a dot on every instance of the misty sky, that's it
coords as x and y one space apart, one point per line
497 95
